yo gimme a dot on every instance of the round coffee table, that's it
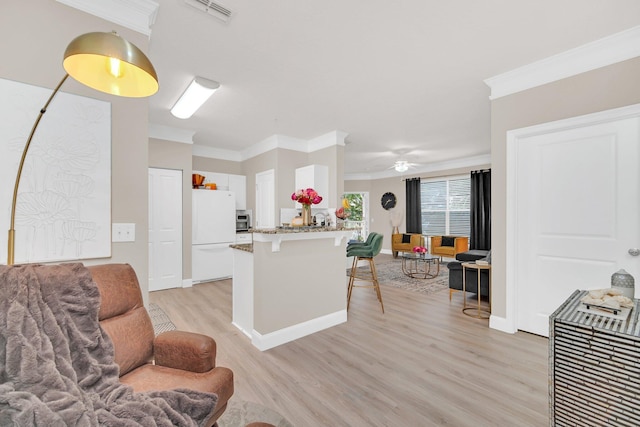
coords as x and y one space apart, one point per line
418 265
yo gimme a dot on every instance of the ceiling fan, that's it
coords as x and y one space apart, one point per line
403 166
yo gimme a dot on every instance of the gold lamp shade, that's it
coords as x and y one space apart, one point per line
109 63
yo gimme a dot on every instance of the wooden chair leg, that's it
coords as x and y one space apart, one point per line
352 276
376 285
374 279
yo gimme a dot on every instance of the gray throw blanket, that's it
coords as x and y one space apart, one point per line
56 362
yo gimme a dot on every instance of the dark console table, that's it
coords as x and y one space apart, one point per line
594 367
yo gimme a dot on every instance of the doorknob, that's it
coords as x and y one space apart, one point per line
634 251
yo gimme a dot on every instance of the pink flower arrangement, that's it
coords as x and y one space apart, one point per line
307 196
420 250
342 213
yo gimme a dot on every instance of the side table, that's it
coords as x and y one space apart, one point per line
481 313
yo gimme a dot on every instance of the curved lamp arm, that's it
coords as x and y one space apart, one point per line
12 231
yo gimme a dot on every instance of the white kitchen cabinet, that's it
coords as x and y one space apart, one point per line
220 179
238 185
316 177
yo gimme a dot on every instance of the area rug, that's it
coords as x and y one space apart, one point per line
239 413
160 320
390 273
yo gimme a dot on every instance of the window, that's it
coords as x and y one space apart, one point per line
445 206
358 214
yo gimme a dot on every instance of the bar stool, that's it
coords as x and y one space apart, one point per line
365 252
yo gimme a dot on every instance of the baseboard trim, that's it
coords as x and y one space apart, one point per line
291 333
187 283
244 331
502 324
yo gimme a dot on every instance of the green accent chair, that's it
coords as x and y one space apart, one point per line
366 243
365 252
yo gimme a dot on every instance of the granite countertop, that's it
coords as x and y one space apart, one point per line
300 229
247 247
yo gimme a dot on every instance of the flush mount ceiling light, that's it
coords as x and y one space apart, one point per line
196 94
401 166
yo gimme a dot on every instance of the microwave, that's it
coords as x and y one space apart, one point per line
243 222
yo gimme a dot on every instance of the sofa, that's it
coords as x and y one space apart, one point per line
405 242
455 273
449 246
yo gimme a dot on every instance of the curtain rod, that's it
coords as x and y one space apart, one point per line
445 176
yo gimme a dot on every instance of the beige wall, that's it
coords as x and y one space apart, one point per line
177 156
34 40
284 297
602 89
216 165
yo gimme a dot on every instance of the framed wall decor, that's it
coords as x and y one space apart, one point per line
63 210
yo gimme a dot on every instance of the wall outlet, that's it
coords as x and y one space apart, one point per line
123 232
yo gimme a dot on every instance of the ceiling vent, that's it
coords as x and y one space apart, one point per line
212 8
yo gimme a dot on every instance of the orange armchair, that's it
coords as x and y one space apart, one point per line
452 245
173 359
397 244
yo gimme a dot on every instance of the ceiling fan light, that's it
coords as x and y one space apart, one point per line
199 90
401 166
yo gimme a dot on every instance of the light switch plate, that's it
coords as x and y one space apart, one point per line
123 232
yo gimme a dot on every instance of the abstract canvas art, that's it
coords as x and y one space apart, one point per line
63 210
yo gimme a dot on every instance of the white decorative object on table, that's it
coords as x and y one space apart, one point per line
624 282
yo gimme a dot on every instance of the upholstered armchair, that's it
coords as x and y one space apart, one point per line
449 246
455 273
173 359
405 242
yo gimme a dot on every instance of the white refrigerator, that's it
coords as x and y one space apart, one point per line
214 229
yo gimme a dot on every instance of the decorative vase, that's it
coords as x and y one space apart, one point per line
306 214
624 282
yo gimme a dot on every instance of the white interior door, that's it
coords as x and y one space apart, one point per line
165 229
265 199
577 214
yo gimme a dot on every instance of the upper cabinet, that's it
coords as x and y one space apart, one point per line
238 184
316 177
225 181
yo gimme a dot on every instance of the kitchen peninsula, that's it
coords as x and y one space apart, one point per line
289 283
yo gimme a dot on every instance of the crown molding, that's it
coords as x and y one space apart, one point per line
271 143
600 53
216 153
327 140
137 15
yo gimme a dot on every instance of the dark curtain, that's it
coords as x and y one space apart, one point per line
414 213
480 210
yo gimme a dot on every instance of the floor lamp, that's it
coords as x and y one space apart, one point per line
105 62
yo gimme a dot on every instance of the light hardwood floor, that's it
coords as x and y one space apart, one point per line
422 363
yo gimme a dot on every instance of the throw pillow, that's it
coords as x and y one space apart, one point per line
406 238
448 241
